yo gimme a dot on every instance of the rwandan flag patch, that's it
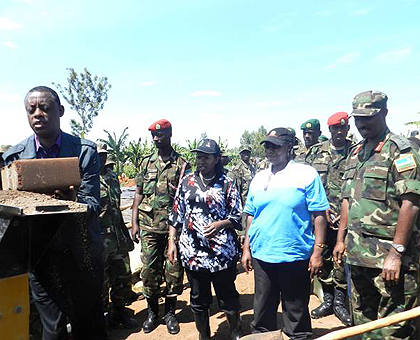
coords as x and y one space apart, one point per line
405 162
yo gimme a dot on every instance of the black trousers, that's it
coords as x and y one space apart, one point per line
52 318
81 294
224 287
289 282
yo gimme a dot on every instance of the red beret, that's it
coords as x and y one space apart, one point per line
160 125
338 118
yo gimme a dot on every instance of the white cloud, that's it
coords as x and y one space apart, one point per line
10 44
393 56
359 12
206 93
344 60
7 24
148 83
9 97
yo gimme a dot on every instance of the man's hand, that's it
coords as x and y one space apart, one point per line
212 229
338 253
315 263
135 232
172 252
246 260
392 267
68 195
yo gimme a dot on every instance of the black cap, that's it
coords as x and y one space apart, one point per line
280 137
208 146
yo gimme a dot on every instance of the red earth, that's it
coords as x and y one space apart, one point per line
218 322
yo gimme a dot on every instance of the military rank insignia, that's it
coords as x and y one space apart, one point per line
405 162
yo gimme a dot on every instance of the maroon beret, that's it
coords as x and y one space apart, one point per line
160 125
338 118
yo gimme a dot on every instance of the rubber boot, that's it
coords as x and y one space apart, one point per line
118 318
152 315
325 308
234 325
170 320
202 323
340 309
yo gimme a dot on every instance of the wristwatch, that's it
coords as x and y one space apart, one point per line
399 248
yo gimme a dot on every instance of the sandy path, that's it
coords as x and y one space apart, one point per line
218 322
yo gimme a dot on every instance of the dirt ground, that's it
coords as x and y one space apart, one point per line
218 323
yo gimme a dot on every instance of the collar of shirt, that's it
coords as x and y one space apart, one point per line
51 152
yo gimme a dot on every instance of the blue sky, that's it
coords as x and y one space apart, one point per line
215 66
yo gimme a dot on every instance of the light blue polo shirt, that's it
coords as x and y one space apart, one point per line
281 204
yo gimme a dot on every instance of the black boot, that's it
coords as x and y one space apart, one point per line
152 315
235 325
325 308
340 309
171 322
202 322
117 317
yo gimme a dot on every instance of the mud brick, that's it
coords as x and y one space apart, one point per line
41 175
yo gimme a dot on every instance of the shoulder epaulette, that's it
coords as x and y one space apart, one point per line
355 148
401 142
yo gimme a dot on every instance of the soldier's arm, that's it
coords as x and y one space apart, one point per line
406 177
406 219
340 247
138 198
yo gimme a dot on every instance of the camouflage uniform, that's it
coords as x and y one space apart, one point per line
300 154
374 182
159 181
116 245
242 174
330 164
262 165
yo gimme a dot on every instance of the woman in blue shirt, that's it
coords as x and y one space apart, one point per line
281 244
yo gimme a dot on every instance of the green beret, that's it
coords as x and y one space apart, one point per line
311 124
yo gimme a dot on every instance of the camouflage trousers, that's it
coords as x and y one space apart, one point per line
157 268
117 273
332 274
372 299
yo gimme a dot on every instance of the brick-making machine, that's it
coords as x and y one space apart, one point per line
29 221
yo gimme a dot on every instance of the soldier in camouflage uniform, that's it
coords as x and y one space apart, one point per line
243 172
157 181
329 159
311 130
379 223
117 243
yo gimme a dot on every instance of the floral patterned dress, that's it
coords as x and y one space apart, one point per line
195 206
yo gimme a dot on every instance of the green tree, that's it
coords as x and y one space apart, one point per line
116 148
86 94
137 150
253 140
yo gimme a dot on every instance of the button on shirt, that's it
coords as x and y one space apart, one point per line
281 205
